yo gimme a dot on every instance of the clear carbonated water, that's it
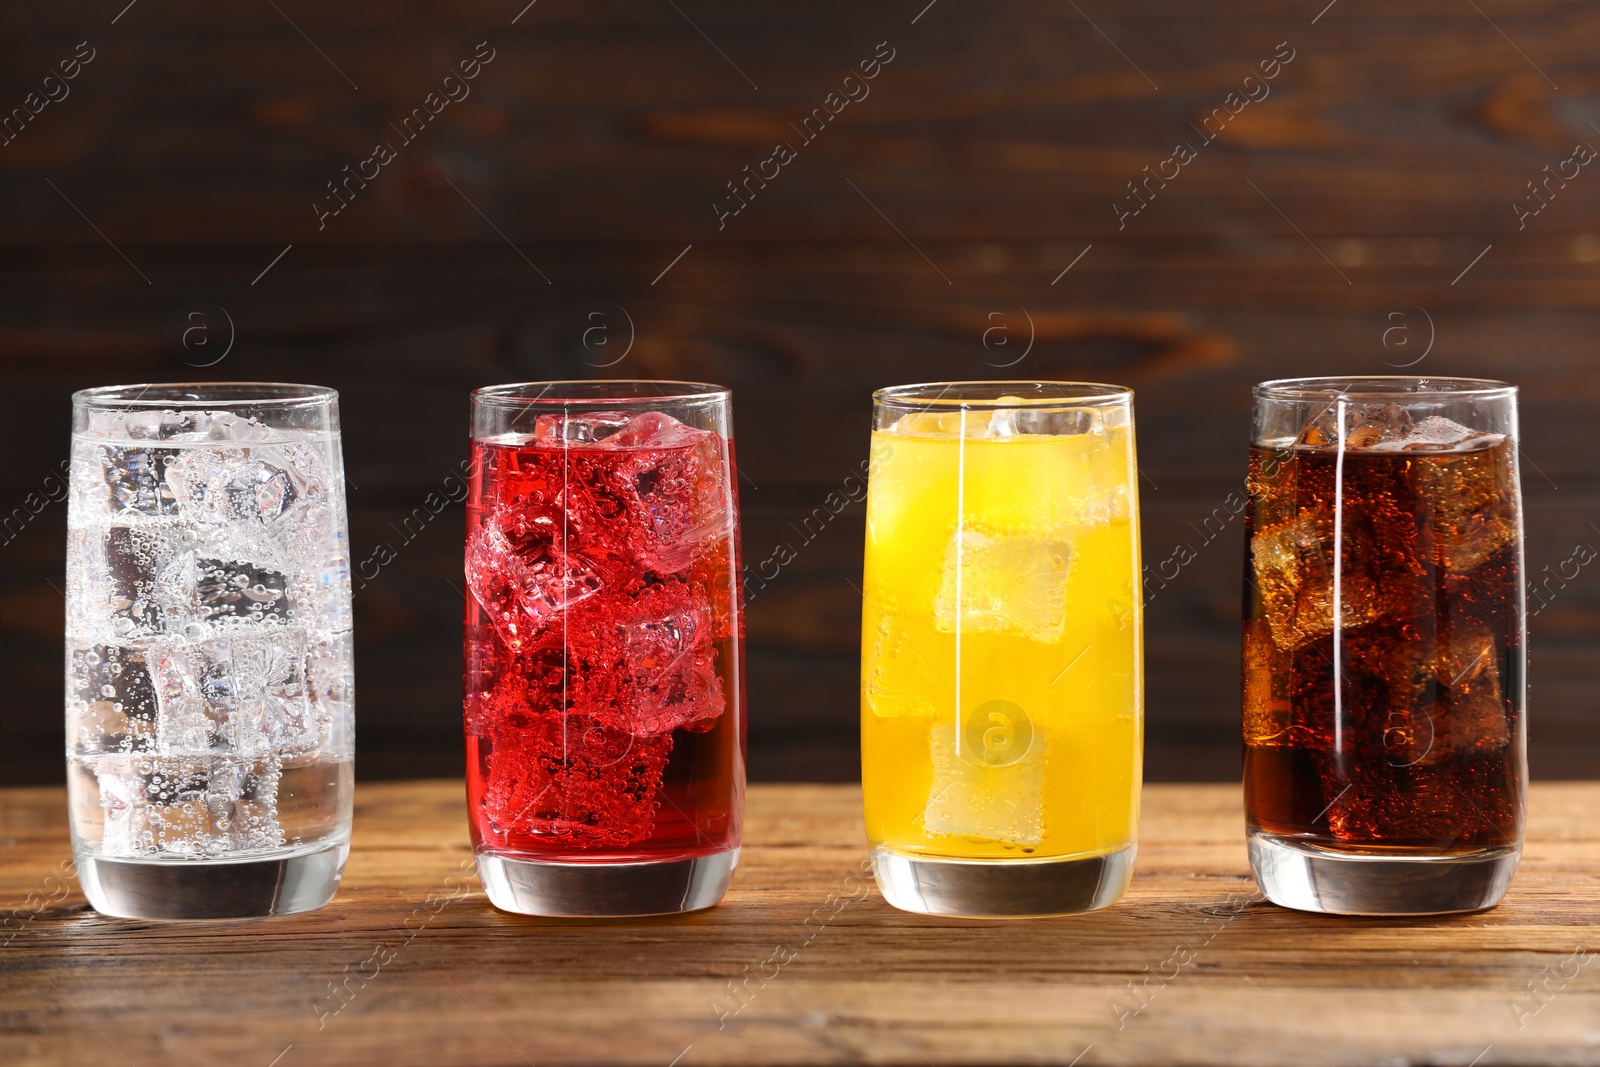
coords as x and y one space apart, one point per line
208 662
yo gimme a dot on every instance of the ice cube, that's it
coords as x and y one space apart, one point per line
1476 719
228 591
1012 422
112 702
1442 692
225 426
1268 705
573 780
957 423
272 709
971 424
188 806
667 650
116 586
1293 567
193 693
1467 656
901 681
1471 504
330 688
1004 583
675 486
234 485
1364 425
245 695
970 798
260 492
133 478
523 573
656 429
585 429
1436 434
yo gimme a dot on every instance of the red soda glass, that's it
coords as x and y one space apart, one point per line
604 652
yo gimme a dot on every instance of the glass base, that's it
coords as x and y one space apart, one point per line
1001 889
1308 877
605 890
244 888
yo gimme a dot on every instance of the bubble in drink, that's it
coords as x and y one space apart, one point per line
208 667
1382 660
600 638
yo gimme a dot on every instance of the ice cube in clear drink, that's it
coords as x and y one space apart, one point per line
135 478
111 704
244 694
119 580
187 806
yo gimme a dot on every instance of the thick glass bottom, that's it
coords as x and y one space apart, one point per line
605 890
1001 889
244 888
1308 877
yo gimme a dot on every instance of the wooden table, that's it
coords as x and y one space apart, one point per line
803 963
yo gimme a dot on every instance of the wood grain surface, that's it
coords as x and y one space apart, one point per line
1359 217
803 963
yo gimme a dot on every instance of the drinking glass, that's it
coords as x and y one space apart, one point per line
208 659
604 704
1002 702
1384 741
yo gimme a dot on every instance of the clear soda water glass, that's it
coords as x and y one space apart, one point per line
208 656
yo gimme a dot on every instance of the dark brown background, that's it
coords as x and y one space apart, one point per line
1385 159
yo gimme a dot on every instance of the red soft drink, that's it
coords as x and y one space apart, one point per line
604 703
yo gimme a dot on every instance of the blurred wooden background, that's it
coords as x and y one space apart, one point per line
1355 216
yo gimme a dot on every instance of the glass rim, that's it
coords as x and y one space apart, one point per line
224 395
926 395
599 390
1403 388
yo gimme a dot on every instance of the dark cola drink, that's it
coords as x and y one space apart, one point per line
1384 661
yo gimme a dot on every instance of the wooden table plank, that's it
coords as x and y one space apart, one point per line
803 963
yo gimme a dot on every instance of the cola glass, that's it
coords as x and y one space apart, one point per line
208 658
604 703
1384 656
